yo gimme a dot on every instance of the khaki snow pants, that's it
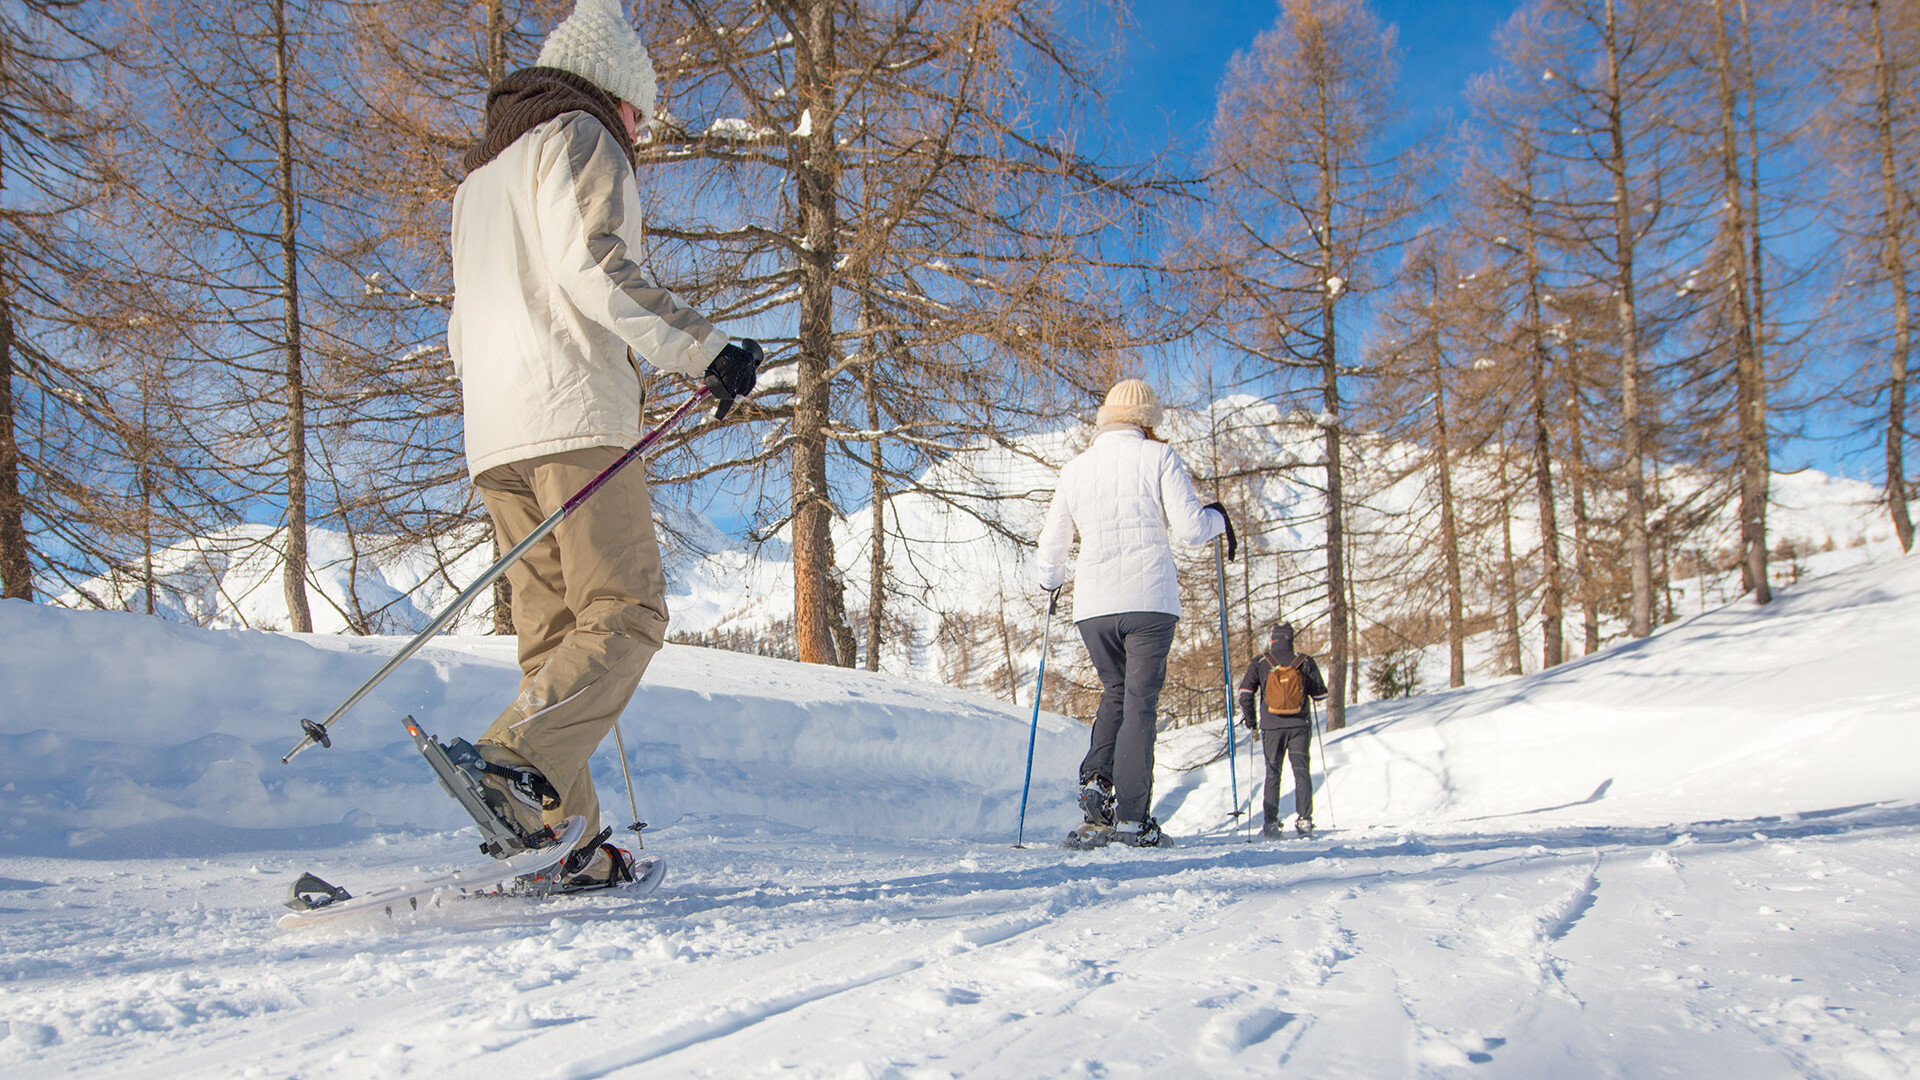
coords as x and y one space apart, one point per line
589 606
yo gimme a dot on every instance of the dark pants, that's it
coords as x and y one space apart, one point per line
1129 651
1280 743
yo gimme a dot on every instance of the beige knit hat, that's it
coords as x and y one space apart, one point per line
1130 402
598 44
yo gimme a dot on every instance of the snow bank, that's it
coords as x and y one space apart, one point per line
1807 705
122 734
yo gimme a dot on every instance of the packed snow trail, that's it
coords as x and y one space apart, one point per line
1682 857
1779 947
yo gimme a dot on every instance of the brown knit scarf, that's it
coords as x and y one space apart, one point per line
532 96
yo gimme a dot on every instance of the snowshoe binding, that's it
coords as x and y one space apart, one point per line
1088 836
1096 801
506 801
1144 833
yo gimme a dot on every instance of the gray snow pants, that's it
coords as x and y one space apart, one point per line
1280 744
1129 651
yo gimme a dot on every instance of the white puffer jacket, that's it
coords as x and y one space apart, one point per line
1126 496
548 299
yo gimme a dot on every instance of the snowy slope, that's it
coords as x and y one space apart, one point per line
1694 855
120 732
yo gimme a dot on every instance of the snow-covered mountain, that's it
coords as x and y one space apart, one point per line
964 553
962 606
1684 855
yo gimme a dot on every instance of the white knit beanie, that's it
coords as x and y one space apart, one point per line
1130 402
597 44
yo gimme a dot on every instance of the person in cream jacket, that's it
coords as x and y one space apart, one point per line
1128 497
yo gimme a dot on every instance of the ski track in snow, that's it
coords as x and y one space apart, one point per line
1377 955
1671 859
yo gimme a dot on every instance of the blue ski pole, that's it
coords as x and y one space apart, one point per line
1033 730
1226 675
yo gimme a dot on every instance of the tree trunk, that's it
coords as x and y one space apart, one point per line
16 550
1759 475
1749 376
1639 549
300 618
877 557
1509 584
1449 526
816 177
1582 522
1336 525
1894 261
1552 601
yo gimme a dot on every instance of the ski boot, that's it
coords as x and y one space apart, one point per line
506 801
1096 801
598 865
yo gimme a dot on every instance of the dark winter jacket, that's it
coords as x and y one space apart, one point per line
1253 689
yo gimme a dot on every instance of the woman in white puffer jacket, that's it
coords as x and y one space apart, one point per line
1127 496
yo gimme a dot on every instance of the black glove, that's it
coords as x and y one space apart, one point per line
1053 599
731 375
1246 718
1233 545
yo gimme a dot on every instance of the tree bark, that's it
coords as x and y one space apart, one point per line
877 557
1338 615
1552 597
1759 477
1509 583
1749 376
1449 523
1336 518
16 549
294 570
1582 520
1894 261
812 502
1639 549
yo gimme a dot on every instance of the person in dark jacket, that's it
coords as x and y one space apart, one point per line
1284 734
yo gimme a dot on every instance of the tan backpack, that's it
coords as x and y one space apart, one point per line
1286 690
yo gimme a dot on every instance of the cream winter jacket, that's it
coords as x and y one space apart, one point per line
548 299
1127 495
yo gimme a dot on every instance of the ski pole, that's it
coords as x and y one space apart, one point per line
1226 675
1033 729
317 733
1326 767
1254 753
633 803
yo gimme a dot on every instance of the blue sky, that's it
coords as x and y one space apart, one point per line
1177 51
1173 57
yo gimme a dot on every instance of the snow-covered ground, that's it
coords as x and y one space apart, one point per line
1694 855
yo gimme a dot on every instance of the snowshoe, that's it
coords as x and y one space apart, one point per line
1303 828
1272 831
1087 837
1138 833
